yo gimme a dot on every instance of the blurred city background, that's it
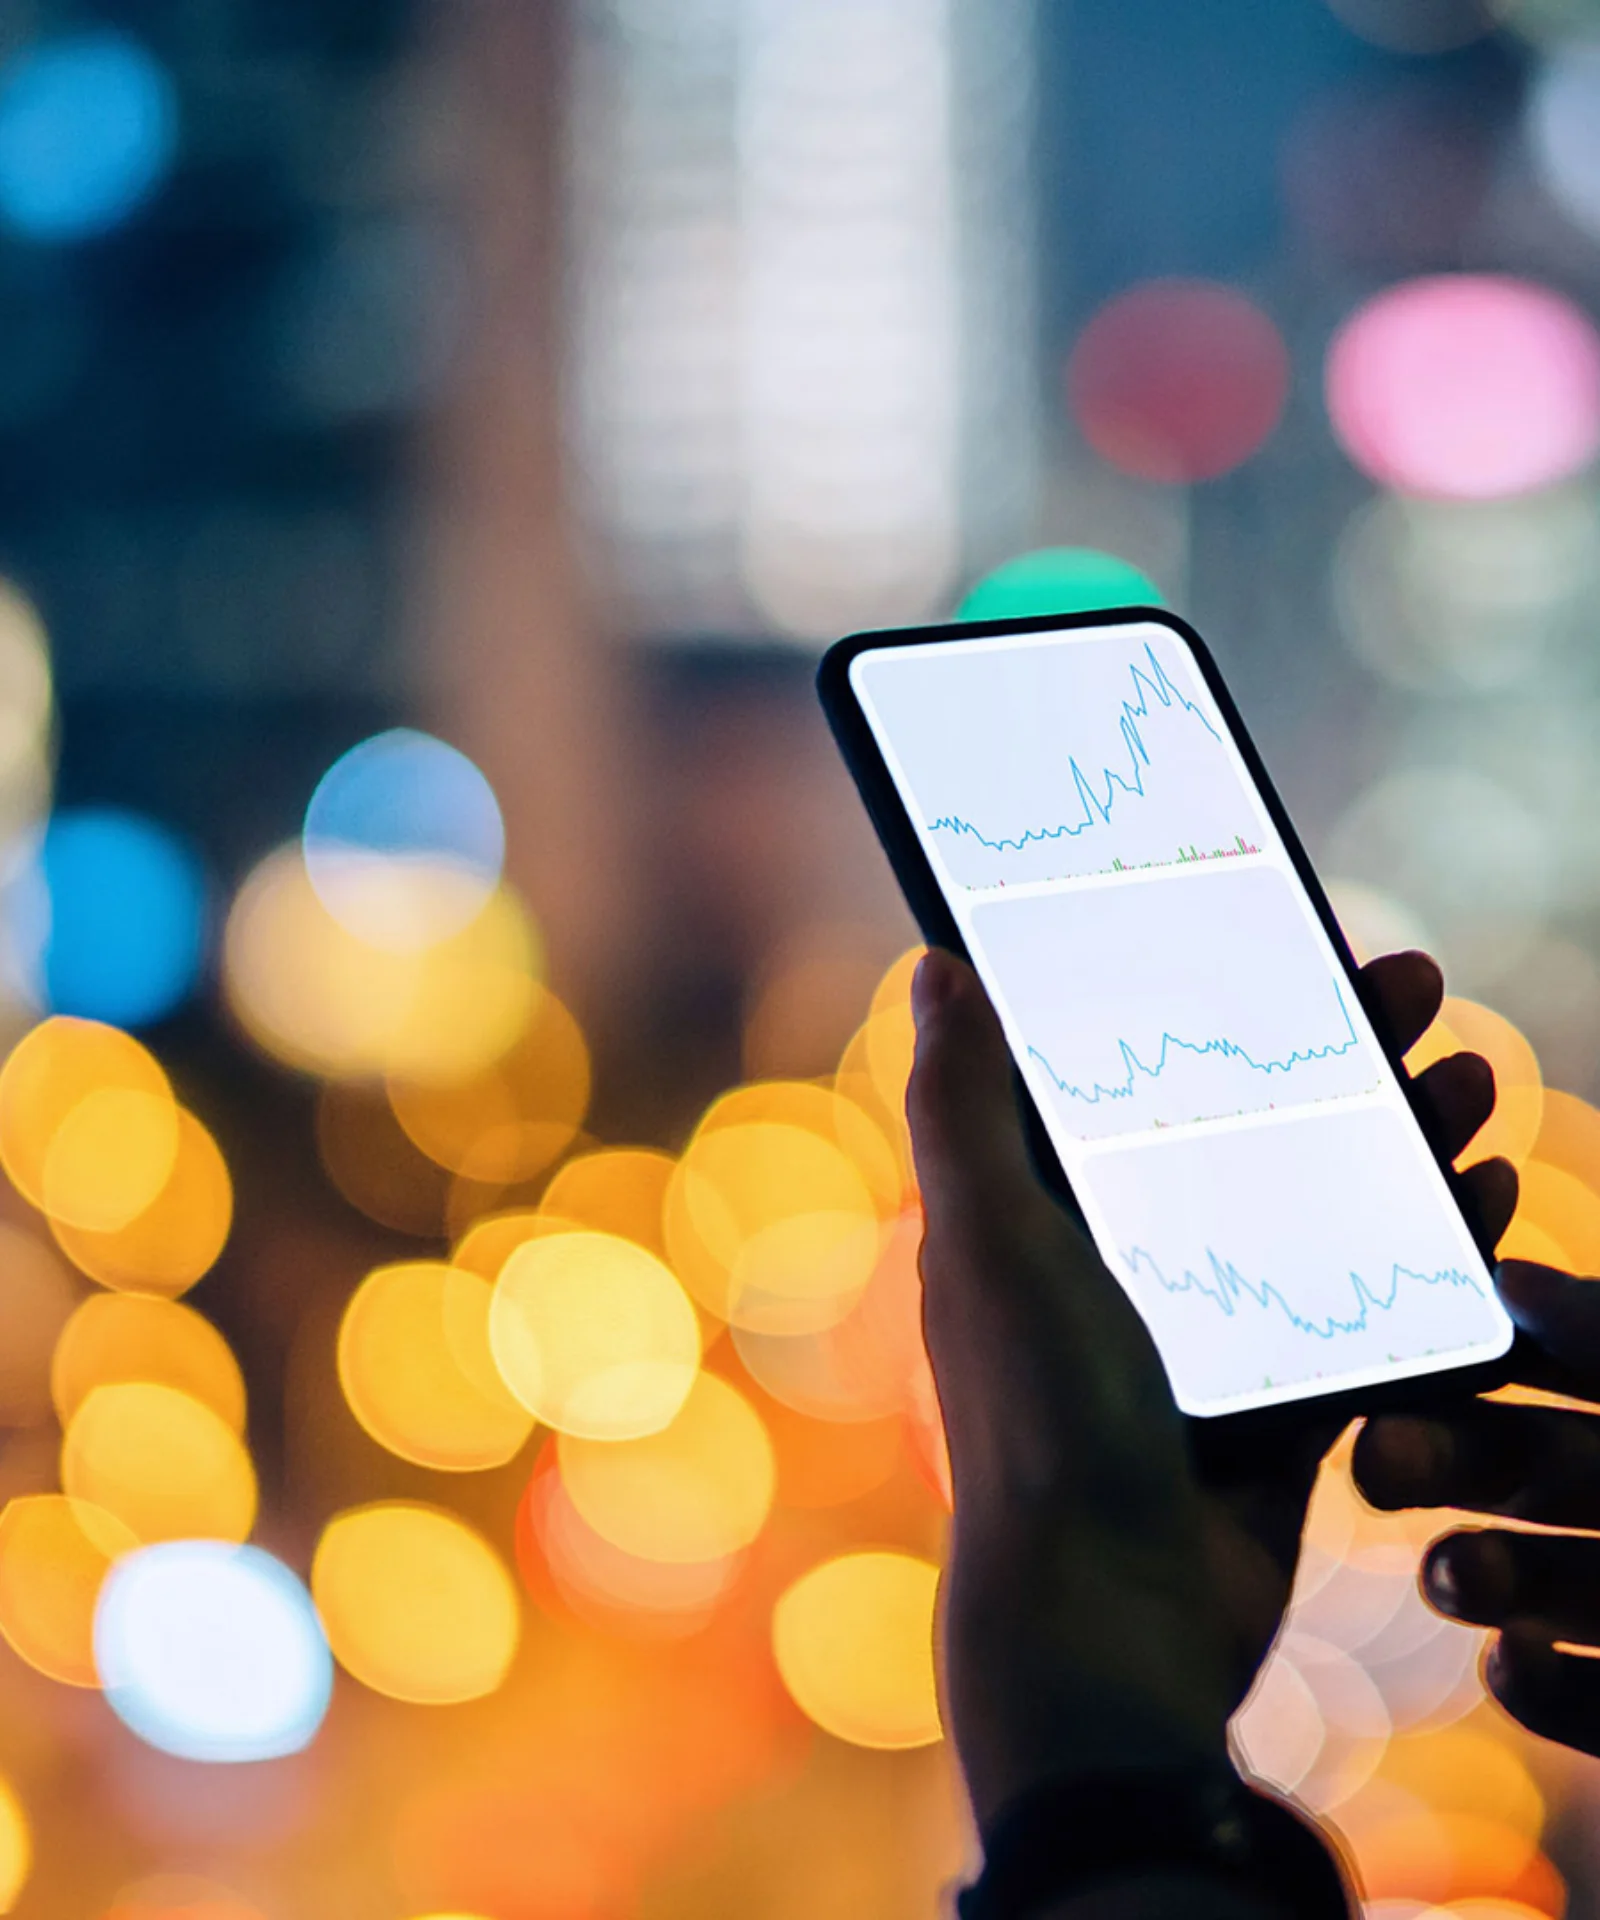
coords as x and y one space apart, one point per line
467 1448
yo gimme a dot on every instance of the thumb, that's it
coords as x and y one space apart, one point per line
977 1180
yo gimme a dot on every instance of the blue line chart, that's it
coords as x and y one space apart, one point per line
1095 1092
1099 795
1228 1289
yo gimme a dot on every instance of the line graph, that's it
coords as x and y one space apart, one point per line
1222 1282
1151 1005
1049 762
1273 1255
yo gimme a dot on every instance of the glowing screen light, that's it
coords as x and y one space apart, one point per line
1564 130
1058 580
88 128
212 1652
403 840
126 902
1178 380
1466 387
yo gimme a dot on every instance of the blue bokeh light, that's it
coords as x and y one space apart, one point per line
404 793
125 907
88 128
212 1652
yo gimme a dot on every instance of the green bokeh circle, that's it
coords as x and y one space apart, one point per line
1058 580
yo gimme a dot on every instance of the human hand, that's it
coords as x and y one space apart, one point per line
1527 1463
1105 1605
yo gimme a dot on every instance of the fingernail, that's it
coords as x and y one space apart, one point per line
1440 1583
931 985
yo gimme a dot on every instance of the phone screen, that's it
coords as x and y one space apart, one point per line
1242 1150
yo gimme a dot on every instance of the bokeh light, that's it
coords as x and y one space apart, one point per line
509 1119
164 1463
403 840
697 1491
313 995
109 1158
620 1190
16 1847
114 1338
416 1604
1446 597
1178 380
212 1652
1564 129
1057 580
126 906
417 1370
49 1073
177 1238
772 1226
55 1554
88 129
1466 387
854 1642
594 1335
376 1165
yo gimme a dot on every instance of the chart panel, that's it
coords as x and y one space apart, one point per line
1153 1003
1273 1255
1048 762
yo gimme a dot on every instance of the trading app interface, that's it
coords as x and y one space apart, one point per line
1240 1146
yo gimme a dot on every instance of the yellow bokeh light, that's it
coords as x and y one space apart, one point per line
117 1337
854 1643
1519 1086
485 1247
771 1226
415 1365
49 1073
512 1117
594 1335
37 1298
314 996
109 1158
177 1239
371 1160
1556 1212
54 1554
167 1466
699 1490
16 1847
415 1603
620 1190
1569 1136
832 1116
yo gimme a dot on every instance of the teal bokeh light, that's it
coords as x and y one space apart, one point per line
1058 580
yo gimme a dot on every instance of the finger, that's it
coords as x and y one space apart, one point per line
1459 1092
1527 1463
1489 1577
1560 1312
1402 993
1492 1191
1553 1694
966 1130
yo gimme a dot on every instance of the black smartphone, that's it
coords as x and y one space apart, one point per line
1074 805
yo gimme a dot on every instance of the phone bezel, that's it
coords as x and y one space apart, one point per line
914 872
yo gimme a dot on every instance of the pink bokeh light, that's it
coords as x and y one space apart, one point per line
1466 387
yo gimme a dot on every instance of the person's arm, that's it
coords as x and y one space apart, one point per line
1541 1591
1104 1612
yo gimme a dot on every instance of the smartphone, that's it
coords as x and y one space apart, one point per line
1074 805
